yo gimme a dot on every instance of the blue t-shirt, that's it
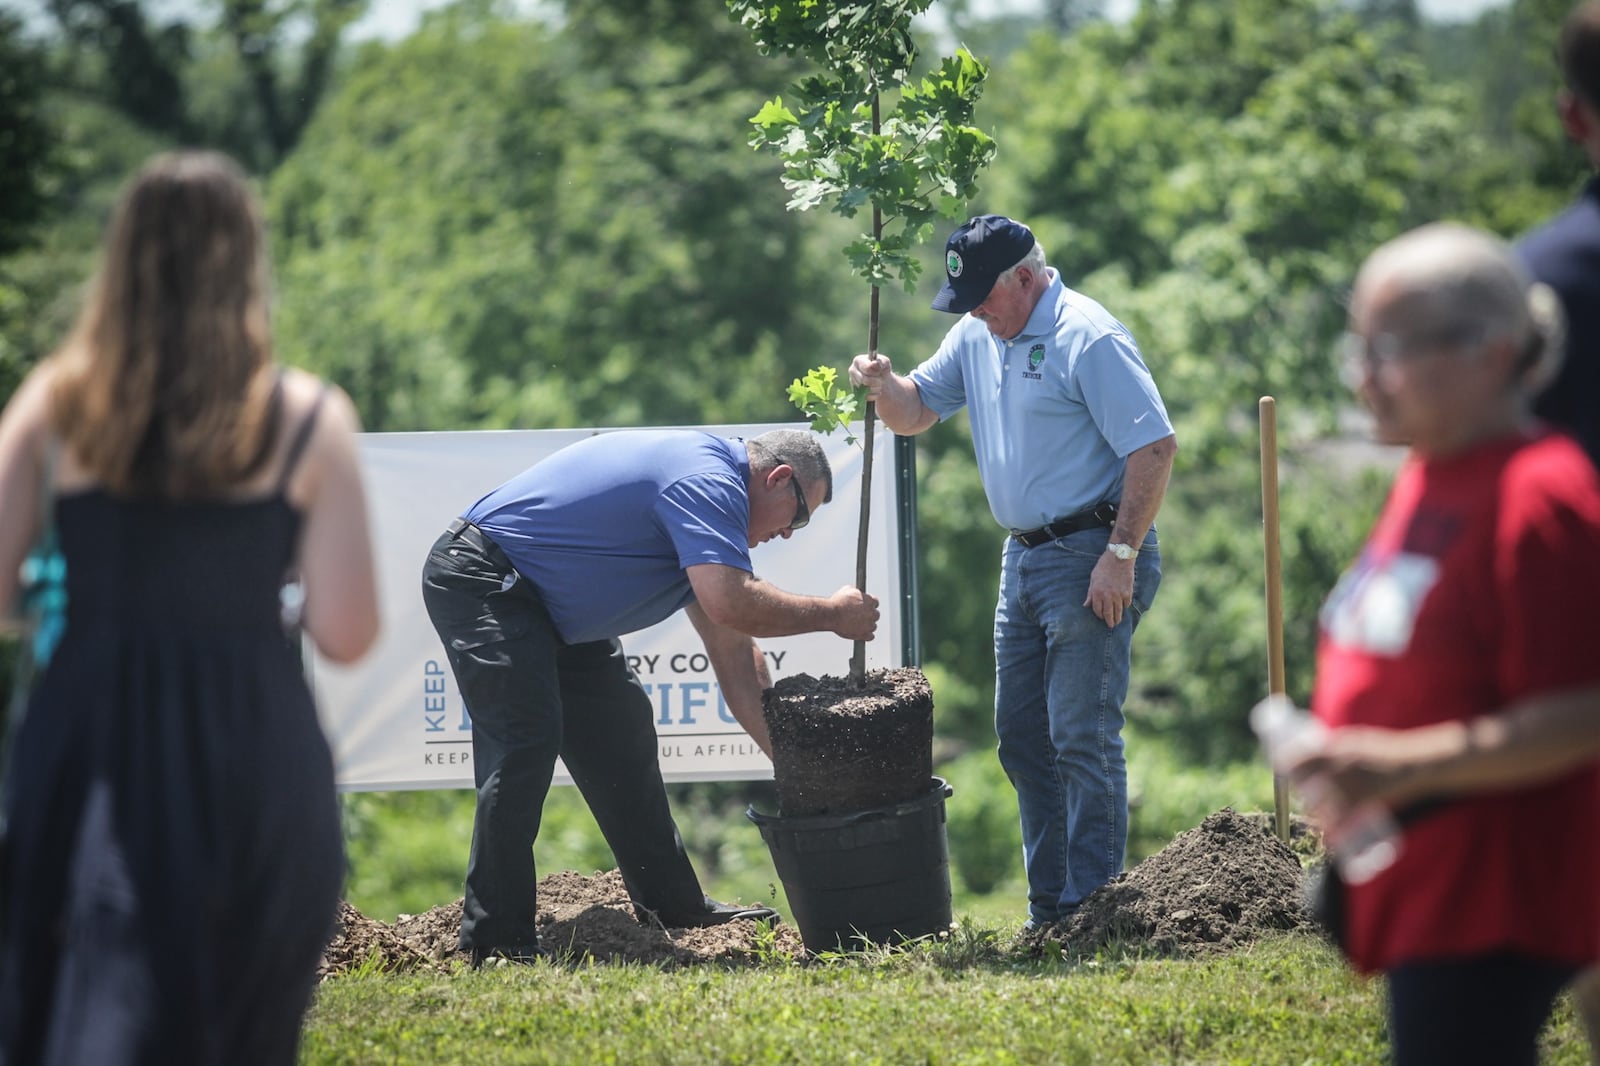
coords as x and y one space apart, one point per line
605 528
1055 411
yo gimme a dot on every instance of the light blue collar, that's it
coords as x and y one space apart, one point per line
1042 320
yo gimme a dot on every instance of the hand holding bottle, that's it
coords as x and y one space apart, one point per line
1362 837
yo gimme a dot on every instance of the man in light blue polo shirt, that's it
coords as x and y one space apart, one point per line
529 590
1075 448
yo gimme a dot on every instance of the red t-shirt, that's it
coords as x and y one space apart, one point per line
1478 587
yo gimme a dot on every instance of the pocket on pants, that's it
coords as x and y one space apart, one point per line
502 616
469 605
1146 578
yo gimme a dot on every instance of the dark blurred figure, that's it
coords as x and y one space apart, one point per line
173 859
1565 252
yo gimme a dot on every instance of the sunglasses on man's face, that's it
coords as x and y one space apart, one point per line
802 513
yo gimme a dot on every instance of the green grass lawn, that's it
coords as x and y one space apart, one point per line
969 1000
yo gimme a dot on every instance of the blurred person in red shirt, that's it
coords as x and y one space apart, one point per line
1456 663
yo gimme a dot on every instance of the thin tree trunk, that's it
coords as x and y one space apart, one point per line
858 657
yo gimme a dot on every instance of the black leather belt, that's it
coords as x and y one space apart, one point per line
464 531
1100 516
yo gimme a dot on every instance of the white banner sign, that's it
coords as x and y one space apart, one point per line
395 719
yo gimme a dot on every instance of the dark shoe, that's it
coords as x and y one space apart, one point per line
719 914
519 955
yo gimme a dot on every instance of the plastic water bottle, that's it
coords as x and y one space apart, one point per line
1366 841
291 605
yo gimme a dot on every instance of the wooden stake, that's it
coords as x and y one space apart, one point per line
1274 567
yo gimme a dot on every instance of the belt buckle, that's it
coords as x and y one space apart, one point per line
1026 537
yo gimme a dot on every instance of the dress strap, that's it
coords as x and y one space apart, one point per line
302 435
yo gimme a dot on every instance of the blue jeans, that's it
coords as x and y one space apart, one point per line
1060 678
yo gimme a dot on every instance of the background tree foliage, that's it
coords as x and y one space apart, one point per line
27 155
495 224
244 76
508 220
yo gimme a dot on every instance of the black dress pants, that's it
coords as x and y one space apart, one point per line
532 697
1486 1009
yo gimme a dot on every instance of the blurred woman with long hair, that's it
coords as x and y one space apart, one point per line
172 861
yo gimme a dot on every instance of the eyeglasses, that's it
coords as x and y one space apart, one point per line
1359 355
802 513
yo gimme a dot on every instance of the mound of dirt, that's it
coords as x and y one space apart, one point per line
579 918
1215 888
359 940
1220 886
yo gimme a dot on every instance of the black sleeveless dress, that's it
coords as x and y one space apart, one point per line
173 860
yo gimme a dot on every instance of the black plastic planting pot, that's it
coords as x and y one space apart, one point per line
874 876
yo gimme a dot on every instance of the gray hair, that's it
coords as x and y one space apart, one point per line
1457 281
1033 260
794 448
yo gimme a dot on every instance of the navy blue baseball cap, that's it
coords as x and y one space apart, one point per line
976 254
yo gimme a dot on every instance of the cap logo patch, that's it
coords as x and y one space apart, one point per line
952 264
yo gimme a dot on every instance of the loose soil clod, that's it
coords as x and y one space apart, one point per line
359 941
579 918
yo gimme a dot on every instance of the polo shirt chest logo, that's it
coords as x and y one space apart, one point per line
1035 361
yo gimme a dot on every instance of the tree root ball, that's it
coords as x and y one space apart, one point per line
840 746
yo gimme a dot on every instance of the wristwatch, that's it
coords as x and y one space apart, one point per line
1122 551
